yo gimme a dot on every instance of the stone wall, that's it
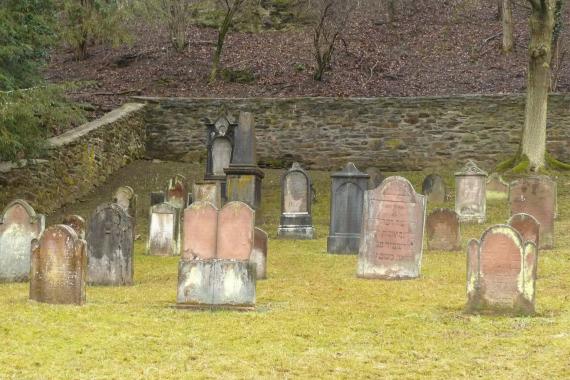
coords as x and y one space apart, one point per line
76 161
389 133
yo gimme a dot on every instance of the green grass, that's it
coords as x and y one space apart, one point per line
314 318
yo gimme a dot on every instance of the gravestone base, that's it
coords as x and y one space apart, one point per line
296 232
476 304
343 244
216 284
395 272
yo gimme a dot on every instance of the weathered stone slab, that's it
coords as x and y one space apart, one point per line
176 193
157 197
527 226
207 192
375 178
164 231
296 219
110 246
200 231
536 196
497 188
470 193
434 188
443 230
236 223
347 200
77 223
58 267
126 198
259 253
501 271
391 243
19 225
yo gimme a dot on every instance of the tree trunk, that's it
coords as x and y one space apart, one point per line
508 29
391 11
533 144
220 44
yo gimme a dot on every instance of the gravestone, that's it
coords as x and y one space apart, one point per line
220 143
347 188
207 192
215 269
497 188
157 197
391 243
77 223
527 226
434 188
501 272
443 230
164 231
176 193
375 178
243 175
110 246
296 219
259 254
19 225
126 198
536 196
58 267
470 193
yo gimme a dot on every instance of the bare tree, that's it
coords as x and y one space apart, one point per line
230 8
331 18
508 27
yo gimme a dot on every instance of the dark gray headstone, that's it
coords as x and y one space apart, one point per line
245 146
434 188
19 225
157 197
375 178
110 245
347 199
296 219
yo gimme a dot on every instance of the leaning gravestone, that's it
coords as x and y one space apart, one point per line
375 178
19 225
215 270
58 267
470 193
259 254
164 231
296 219
527 226
391 242
110 246
496 187
347 200
176 193
434 188
126 198
501 271
207 192
77 223
536 196
443 230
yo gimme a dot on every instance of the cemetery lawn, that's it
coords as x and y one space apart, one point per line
314 318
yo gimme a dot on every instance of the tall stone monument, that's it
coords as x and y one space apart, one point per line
19 225
296 198
220 145
347 200
243 175
470 193
391 242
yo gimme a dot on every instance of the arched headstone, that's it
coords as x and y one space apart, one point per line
200 231
443 230
19 225
296 197
77 223
527 226
164 230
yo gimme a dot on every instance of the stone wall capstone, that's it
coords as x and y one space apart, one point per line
392 134
76 161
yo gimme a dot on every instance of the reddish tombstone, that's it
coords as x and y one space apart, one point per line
77 223
496 187
391 242
536 196
19 225
527 226
501 271
176 193
259 254
58 268
443 230
200 231
164 231
235 231
470 193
